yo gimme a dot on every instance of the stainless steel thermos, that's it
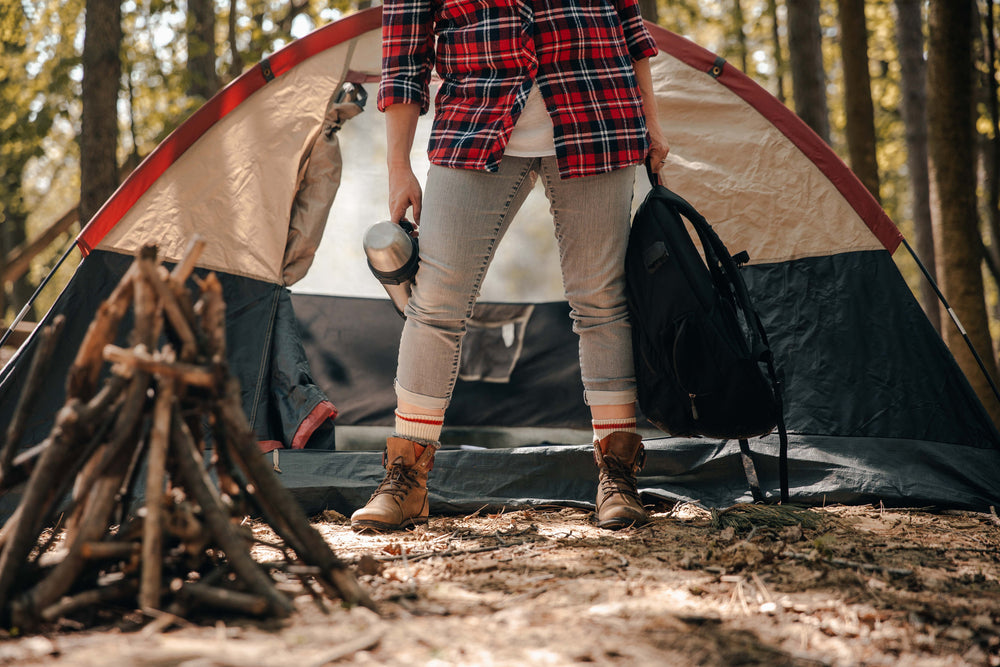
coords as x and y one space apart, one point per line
393 255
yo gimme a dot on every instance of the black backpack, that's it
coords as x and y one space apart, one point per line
700 348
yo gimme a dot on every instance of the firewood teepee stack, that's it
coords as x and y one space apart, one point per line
146 423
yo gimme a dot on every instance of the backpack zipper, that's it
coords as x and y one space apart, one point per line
694 408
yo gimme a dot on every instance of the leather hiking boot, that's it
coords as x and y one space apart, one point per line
619 458
400 500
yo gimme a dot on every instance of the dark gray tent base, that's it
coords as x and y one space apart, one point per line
822 470
874 417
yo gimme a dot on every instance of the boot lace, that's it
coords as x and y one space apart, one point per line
617 477
399 480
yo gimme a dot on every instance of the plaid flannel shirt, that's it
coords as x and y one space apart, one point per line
488 52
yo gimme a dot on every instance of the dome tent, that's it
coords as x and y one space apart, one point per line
876 407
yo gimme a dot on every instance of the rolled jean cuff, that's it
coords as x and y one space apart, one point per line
419 400
623 397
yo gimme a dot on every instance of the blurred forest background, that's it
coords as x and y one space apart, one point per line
905 91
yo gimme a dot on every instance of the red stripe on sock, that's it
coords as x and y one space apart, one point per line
630 423
431 420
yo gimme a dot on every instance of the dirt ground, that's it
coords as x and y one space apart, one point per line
747 586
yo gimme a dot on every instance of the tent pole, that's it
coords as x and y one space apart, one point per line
45 281
954 318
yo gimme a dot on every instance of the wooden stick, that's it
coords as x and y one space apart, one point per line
48 339
175 314
109 550
140 359
68 474
126 491
25 532
21 467
184 268
83 373
197 482
212 309
126 420
280 507
145 303
103 410
365 641
152 527
182 271
223 598
67 605
94 523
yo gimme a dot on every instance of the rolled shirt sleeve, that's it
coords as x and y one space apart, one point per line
640 42
407 53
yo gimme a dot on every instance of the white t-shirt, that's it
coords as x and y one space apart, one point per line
532 134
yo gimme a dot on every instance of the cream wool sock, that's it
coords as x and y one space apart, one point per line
605 427
421 428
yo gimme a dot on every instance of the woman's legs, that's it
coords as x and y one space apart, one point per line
592 217
465 214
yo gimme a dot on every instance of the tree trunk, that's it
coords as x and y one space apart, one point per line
739 33
805 48
913 106
235 58
990 148
203 82
13 234
858 93
953 151
779 58
20 142
99 127
649 10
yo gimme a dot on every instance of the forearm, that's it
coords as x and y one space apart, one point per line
658 146
401 126
404 190
644 76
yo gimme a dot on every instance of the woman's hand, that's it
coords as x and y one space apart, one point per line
404 193
658 147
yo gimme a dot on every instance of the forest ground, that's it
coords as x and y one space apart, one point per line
747 586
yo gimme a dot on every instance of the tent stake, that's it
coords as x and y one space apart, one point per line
954 318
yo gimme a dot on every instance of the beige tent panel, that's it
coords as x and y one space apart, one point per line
745 176
236 184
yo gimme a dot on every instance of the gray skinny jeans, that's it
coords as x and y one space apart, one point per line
465 214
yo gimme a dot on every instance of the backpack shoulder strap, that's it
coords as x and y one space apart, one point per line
721 265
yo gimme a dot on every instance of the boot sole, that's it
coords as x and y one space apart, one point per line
619 523
369 526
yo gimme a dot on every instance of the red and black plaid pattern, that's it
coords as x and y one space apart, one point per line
487 54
